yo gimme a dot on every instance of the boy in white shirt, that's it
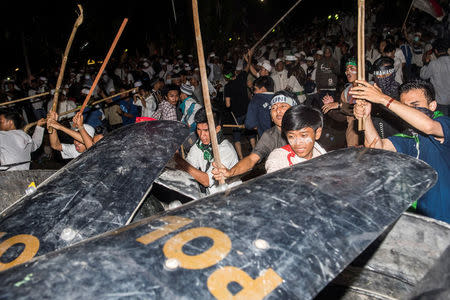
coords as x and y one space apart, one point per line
302 125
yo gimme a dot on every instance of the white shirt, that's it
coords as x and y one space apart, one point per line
151 106
278 158
63 106
36 103
280 80
16 147
228 158
296 87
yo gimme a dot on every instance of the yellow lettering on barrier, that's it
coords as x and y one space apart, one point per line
251 288
173 248
31 248
173 223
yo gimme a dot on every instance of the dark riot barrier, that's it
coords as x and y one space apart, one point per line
282 235
96 192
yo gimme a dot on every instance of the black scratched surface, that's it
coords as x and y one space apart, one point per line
99 190
316 217
14 183
436 283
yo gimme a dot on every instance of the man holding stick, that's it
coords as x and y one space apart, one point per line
199 159
269 141
428 137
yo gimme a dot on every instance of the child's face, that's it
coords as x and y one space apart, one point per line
302 141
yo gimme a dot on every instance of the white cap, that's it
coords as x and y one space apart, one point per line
278 60
85 91
310 58
89 129
291 58
138 83
266 65
319 52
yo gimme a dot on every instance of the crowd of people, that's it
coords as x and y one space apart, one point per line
285 94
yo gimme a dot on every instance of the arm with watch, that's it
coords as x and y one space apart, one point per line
372 93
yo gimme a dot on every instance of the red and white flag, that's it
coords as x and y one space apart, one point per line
431 7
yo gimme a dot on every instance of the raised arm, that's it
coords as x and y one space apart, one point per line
86 138
412 116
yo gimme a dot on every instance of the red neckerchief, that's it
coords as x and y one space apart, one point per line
291 153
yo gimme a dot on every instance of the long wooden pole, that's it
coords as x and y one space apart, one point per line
28 126
361 50
23 99
78 22
207 101
407 15
271 28
105 62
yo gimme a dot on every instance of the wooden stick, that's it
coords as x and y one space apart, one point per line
105 62
361 50
78 22
23 99
204 80
278 22
233 126
407 15
28 126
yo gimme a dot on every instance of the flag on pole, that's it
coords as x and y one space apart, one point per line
431 7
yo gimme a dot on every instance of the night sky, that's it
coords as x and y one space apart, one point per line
45 26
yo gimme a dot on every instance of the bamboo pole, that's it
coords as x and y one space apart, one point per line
28 126
105 62
233 126
23 99
361 50
271 28
78 22
204 80
407 15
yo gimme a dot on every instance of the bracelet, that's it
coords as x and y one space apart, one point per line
389 103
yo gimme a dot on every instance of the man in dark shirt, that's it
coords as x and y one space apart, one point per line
270 140
258 113
236 98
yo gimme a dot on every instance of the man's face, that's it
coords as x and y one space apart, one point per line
172 97
263 72
309 63
351 72
5 124
80 147
277 112
193 81
416 98
302 141
279 66
176 81
327 52
203 133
